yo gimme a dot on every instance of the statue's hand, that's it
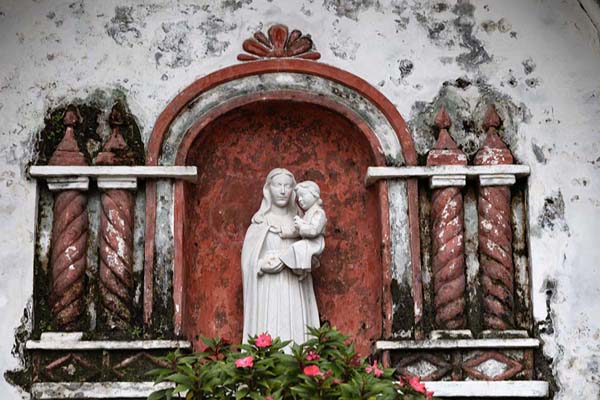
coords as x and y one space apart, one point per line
274 229
270 265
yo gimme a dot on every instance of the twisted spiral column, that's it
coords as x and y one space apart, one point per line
448 263
69 236
495 234
116 231
116 258
68 259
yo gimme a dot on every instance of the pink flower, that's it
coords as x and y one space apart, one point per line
355 361
312 370
373 368
419 386
246 362
268 398
312 356
263 340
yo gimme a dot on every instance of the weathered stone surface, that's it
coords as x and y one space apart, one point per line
448 255
116 233
47 61
69 236
495 233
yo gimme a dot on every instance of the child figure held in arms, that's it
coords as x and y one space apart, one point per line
301 256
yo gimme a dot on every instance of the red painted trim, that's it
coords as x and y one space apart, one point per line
280 65
189 94
179 273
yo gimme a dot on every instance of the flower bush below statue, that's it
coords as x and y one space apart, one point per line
324 367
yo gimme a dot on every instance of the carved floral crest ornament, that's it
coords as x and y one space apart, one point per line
279 44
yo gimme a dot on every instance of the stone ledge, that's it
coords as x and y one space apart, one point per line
62 344
490 172
489 389
144 172
99 390
141 390
457 344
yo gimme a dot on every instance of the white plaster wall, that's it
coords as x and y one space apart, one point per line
52 52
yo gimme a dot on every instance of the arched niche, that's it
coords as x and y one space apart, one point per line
235 125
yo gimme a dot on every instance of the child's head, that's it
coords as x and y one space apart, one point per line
308 193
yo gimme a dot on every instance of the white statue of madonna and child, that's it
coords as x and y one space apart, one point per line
280 250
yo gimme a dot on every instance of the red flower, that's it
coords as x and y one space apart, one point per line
312 370
373 368
419 386
263 340
246 362
268 398
355 361
312 356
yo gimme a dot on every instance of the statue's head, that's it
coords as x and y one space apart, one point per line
281 186
278 191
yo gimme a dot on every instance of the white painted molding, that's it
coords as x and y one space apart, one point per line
65 344
117 182
497 180
188 173
441 181
68 183
61 336
489 389
457 344
96 390
470 171
507 334
141 390
450 334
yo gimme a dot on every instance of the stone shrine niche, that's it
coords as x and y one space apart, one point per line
425 266
233 154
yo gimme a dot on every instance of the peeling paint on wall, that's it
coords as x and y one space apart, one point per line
538 61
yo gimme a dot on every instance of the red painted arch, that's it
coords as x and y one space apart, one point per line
188 96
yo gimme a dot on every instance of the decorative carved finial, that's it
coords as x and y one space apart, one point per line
445 141
493 151
445 151
67 152
442 120
116 151
278 45
491 119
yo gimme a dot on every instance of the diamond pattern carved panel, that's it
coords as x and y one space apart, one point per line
95 365
465 364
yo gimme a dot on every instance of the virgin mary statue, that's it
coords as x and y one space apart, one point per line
276 300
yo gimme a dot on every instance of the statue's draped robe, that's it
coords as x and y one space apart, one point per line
280 304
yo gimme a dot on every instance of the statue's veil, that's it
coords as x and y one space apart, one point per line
265 205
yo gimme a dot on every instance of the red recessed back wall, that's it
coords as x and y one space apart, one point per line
234 155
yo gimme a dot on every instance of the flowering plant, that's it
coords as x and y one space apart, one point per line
325 367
